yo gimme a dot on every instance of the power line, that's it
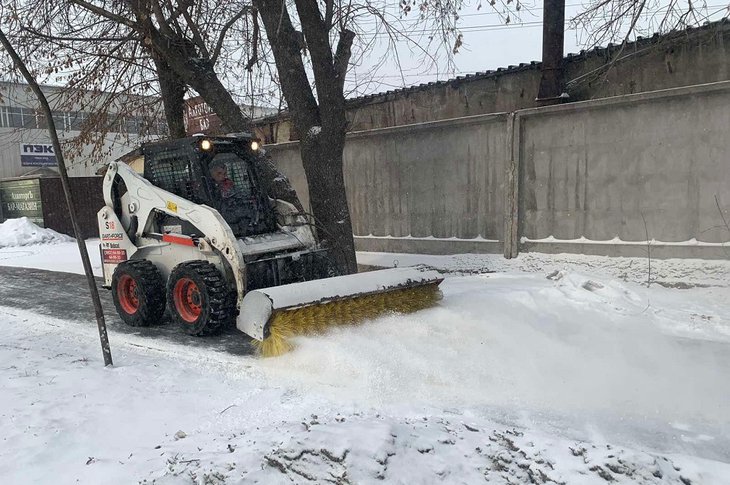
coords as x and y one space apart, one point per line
481 28
531 24
414 20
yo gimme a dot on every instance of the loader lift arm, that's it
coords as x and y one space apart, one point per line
143 201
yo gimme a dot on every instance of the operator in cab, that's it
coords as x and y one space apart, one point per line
219 174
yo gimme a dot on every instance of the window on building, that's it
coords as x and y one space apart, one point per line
131 125
15 117
62 120
12 117
155 126
150 126
77 118
4 117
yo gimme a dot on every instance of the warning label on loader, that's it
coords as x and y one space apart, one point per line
114 255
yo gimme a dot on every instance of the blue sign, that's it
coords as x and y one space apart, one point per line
37 155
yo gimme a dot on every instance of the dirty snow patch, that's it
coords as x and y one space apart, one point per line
23 232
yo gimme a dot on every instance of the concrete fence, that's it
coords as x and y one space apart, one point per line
609 176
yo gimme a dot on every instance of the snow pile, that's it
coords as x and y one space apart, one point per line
22 232
63 257
590 347
367 448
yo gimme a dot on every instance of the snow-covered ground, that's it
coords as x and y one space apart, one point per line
25 245
551 368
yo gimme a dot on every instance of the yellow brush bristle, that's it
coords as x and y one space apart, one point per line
317 318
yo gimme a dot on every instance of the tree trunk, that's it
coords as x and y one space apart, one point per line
322 161
322 126
172 91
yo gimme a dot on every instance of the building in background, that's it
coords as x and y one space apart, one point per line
29 182
25 147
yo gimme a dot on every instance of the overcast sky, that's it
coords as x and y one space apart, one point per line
488 44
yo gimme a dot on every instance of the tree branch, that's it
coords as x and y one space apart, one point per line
254 43
159 15
61 38
318 42
106 14
315 32
287 54
342 56
226 27
329 12
197 37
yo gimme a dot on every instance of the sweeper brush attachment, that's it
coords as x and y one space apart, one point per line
279 313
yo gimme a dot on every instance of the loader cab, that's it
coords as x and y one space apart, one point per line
219 172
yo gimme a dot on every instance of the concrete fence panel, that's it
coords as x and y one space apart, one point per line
622 168
412 186
438 180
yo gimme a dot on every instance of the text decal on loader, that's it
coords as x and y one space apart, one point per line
114 255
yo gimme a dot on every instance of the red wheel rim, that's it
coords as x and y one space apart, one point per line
188 300
127 294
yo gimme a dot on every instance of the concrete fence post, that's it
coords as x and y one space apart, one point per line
512 187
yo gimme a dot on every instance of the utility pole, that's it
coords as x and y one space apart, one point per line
552 82
20 65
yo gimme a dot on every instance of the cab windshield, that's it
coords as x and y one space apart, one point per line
223 179
236 195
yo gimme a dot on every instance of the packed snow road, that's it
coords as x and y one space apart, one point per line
555 368
66 296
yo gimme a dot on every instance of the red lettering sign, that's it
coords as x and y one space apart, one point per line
114 255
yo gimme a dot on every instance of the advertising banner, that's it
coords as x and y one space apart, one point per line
21 198
37 155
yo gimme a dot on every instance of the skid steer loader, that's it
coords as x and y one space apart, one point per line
195 232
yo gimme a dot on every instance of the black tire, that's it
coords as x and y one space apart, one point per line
138 291
199 299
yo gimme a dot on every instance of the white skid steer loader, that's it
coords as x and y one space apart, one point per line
196 233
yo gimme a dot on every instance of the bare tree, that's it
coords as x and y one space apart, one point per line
312 45
605 21
196 43
125 51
